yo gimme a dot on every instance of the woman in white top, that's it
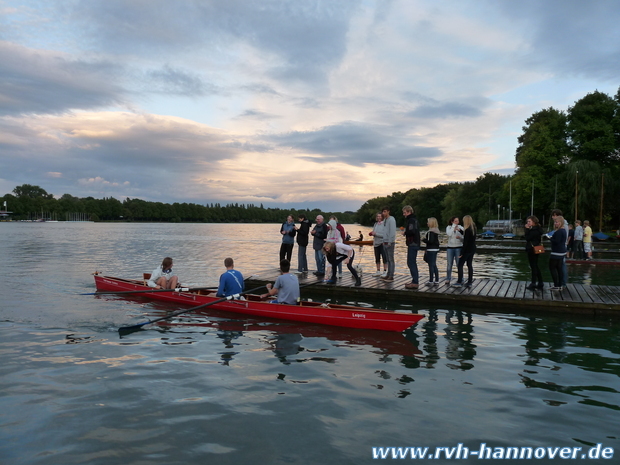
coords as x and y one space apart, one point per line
377 237
455 243
163 277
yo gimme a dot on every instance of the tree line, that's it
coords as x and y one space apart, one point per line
569 160
27 200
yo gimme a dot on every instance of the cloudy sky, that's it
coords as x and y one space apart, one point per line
287 103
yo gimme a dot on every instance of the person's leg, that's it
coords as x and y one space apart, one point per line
433 273
302 262
451 257
459 266
378 253
282 251
389 250
412 263
470 268
532 258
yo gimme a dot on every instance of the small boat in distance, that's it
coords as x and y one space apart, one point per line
359 242
346 316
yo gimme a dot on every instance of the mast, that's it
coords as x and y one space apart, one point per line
600 223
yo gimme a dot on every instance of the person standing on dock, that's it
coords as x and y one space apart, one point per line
231 282
412 239
302 242
578 244
432 249
558 253
286 286
319 234
288 232
587 240
377 237
554 214
533 237
454 231
389 242
467 252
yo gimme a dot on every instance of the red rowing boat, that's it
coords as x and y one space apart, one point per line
347 316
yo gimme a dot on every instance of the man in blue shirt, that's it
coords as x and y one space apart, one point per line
231 282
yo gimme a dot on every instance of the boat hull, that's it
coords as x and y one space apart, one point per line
310 312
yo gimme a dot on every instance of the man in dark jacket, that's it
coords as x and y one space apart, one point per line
303 230
412 238
319 232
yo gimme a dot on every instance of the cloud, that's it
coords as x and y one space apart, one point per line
36 81
358 144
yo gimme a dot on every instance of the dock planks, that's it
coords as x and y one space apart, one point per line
485 293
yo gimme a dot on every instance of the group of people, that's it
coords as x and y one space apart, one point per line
461 248
565 242
331 252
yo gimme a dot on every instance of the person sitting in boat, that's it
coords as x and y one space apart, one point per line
337 253
163 277
286 286
360 237
231 282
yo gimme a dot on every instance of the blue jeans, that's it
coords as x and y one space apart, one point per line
433 272
320 261
453 257
412 262
302 260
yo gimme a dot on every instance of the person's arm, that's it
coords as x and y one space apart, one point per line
271 290
222 287
155 275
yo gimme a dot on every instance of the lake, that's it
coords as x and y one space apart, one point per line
227 389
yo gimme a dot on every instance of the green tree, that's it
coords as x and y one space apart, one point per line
593 129
33 192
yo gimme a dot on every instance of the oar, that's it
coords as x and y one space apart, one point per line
177 289
130 329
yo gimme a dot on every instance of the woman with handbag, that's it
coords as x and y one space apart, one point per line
533 236
432 248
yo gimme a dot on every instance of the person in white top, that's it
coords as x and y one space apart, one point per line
377 237
455 243
163 277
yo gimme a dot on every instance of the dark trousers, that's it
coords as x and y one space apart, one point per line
339 260
286 251
536 273
556 266
466 258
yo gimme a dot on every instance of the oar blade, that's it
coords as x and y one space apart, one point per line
127 330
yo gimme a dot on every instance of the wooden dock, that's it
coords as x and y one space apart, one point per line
485 294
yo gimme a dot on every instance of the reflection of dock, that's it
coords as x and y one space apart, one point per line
485 294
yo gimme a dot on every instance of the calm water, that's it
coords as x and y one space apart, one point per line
216 389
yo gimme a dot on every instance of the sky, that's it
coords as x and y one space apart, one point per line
289 104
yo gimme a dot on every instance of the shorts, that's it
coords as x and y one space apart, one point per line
587 247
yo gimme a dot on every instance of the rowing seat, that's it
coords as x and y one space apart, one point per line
146 277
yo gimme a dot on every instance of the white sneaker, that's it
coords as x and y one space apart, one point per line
340 275
378 273
384 274
429 283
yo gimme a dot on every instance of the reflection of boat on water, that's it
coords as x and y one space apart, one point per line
289 334
347 316
593 261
